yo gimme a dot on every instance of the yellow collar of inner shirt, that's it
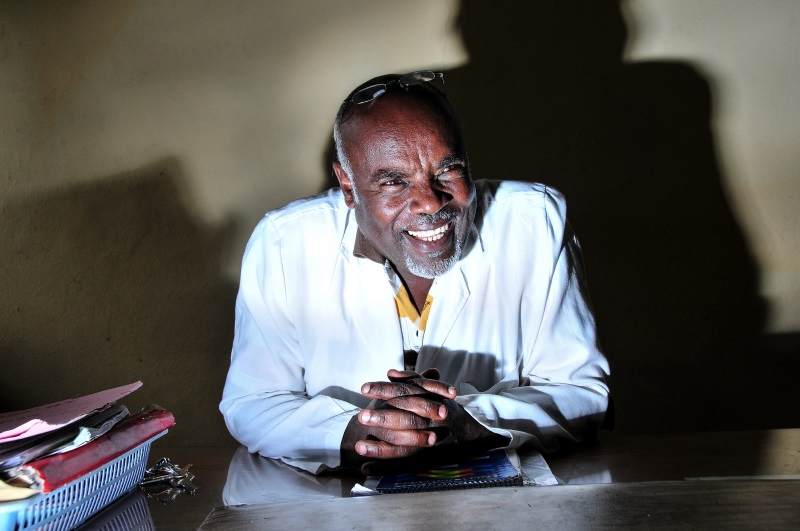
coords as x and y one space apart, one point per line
406 308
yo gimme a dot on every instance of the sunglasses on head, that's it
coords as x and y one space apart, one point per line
372 92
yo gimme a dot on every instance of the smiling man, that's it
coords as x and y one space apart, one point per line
412 314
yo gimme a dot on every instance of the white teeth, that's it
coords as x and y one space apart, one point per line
430 235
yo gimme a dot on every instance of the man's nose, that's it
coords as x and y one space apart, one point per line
427 198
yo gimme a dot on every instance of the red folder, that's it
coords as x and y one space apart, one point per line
58 470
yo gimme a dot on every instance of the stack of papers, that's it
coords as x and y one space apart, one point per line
54 428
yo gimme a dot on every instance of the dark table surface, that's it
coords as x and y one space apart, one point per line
731 479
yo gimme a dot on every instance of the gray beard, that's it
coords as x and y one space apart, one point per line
436 269
439 267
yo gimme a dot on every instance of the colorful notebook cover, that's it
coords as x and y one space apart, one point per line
493 469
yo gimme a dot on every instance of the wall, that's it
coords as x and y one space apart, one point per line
141 142
749 53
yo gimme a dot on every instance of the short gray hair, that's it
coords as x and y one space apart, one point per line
340 156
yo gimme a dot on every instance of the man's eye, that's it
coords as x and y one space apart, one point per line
392 182
454 170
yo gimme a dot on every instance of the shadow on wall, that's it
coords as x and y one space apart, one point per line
546 97
110 282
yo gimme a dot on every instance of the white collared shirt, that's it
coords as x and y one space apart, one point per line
510 327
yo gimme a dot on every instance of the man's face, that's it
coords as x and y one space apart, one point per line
413 197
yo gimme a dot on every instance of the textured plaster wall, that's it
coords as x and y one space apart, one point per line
751 53
140 142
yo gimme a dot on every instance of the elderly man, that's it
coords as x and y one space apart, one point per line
412 313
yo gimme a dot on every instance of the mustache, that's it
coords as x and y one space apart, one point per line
427 219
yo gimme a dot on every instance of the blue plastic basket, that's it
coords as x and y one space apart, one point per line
70 505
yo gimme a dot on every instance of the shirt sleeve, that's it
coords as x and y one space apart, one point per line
264 401
559 391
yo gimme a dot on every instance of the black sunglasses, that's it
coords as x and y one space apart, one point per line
372 92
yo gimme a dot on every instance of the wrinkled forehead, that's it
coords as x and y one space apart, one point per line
397 113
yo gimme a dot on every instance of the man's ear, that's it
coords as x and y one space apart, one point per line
345 183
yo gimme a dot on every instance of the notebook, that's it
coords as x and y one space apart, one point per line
494 469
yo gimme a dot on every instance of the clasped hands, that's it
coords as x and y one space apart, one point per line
412 416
